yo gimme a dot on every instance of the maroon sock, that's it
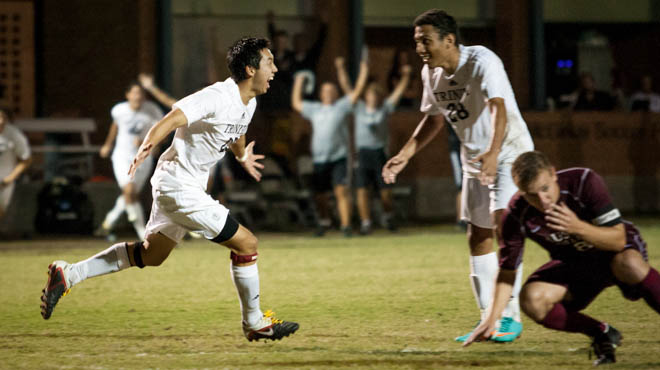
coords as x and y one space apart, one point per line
650 288
560 319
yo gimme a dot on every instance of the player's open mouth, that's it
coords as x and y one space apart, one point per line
268 81
425 57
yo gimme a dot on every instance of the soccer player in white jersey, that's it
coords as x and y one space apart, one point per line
130 122
208 123
14 158
468 88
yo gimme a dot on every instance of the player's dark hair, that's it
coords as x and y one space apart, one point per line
527 167
444 23
245 52
8 112
133 83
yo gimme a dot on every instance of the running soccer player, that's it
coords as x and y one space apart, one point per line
329 145
130 122
15 158
570 214
371 137
467 87
208 123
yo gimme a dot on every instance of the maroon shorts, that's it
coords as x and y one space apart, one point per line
586 278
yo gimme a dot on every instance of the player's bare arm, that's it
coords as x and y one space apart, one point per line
245 156
173 120
20 167
147 82
401 87
107 145
423 134
503 289
296 93
608 238
488 159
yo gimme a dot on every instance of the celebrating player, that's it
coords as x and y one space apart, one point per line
570 214
371 131
467 87
208 123
130 122
329 144
14 158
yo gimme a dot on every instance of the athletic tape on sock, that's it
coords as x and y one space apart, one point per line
235 258
137 255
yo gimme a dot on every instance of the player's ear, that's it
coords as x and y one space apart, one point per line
451 39
250 71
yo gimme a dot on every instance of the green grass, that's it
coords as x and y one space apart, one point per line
385 301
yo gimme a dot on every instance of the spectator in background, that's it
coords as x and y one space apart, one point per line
15 158
645 99
329 145
402 58
371 137
588 98
131 120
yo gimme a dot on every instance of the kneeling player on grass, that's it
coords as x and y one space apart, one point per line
570 214
207 123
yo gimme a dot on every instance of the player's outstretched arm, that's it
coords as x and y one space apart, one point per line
342 76
173 120
296 93
147 82
245 156
107 145
424 133
503 289
396 94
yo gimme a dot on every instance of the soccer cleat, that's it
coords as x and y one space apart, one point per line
56 287
365 229
509 330
269 328
604 346
347 231
464 337
320 230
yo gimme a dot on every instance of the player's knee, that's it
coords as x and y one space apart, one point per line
249 245
532 302
629 267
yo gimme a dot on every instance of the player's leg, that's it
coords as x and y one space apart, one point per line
112 216
636 278
62 276
340 189
555 293
134 210
245 274
483 261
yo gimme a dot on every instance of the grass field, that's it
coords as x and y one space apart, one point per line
384 301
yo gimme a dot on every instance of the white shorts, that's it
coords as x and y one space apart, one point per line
174 213
5 196
121 166
478 202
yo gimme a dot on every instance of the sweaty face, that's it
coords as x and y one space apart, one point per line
543 192
329 93
430 48
265 73
135 97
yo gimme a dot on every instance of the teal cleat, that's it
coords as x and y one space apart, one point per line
464 337
509 331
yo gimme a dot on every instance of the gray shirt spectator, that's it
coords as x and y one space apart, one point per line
371 129
329 128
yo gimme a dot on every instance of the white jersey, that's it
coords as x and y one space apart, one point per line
462 98
132 126
13 147
216 117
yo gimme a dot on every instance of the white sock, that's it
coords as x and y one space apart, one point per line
246 280
110 260
114 214
483 271
136 216
512 308
366 223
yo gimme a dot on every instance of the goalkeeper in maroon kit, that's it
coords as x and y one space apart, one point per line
570 214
